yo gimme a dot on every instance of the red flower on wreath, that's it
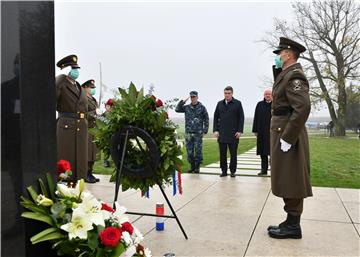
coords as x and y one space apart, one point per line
106 207
159 103
63 166
110 236
126 226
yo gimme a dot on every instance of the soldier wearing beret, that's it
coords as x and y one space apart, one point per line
196 125
290 166
89 87
72 126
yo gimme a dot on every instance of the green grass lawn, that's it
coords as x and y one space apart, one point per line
335 162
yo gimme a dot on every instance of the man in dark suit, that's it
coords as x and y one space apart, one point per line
261 129
228 127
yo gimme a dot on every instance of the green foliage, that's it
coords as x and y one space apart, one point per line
136 109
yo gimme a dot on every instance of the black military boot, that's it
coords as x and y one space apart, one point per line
197 167
291 229
90 179
192 169
280 225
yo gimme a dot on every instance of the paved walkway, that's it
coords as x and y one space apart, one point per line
249 164
229 216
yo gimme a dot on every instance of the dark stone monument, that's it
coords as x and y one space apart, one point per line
28 119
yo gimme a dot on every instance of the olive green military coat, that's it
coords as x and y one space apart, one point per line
93 105
290 171
72 133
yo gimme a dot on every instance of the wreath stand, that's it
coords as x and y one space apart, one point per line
119 145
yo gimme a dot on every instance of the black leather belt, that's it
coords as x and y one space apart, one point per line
283 112
72 115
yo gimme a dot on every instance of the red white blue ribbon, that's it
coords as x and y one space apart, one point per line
177 183
147 193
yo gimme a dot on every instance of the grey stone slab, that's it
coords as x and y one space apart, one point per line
319 239
164 242
349 195
353 210
323 207
239 172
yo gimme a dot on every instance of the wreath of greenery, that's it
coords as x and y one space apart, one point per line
143 111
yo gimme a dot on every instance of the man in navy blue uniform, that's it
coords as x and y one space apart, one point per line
228 127
196 125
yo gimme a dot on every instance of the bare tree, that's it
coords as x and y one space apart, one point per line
330 31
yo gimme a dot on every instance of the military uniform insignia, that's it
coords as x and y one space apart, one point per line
297 85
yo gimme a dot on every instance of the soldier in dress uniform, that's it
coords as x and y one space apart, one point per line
72 126
290 166
89 87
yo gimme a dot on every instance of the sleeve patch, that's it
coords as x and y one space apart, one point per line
297 85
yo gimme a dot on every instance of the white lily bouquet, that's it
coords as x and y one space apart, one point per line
79 224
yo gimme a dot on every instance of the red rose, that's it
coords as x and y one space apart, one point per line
106 207
110 236
159 103
126 226
63 166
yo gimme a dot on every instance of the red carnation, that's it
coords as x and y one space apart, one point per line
106 207
159 103
126 226
110 236
63 166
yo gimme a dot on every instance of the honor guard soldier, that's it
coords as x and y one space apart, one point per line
290 166
72 126
89 87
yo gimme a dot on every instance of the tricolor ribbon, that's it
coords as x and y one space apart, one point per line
177 183
147 193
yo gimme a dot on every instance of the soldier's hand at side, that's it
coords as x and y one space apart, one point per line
238 135
216 134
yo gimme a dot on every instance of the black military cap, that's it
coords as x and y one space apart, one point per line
286 43
70 60
193 93
90 83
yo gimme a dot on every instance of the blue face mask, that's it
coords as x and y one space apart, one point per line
278 62
92 91
74 74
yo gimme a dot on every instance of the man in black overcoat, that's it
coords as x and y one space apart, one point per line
228 127
261 129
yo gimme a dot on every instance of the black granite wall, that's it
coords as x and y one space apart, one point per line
28 121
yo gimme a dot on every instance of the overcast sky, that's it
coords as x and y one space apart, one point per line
176 46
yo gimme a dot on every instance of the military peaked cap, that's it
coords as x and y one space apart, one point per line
70 60
90 83
286 43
